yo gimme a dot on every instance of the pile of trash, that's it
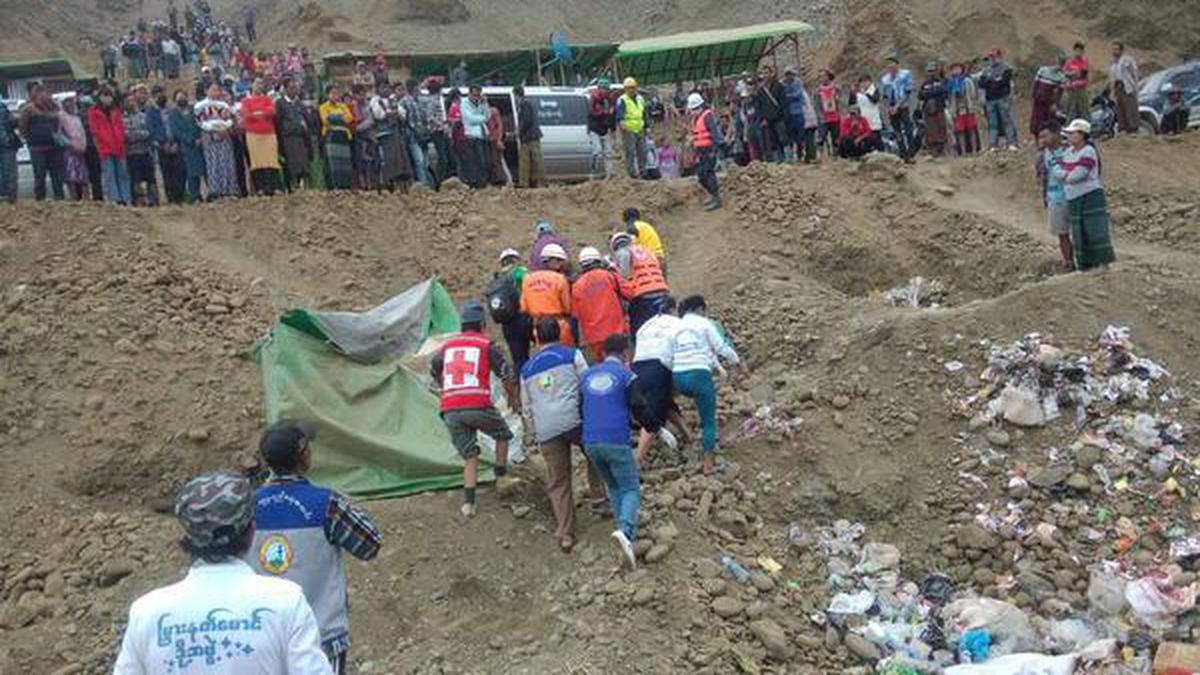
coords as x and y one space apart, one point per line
1031 381
933 627
917 292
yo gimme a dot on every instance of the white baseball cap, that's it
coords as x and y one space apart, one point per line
553 252
588 254
1082 126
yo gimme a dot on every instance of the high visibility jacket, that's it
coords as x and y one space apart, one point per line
646 275
596 303
466 372
700 136
548 293
633 113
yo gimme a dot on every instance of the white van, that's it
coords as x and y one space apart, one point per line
562 112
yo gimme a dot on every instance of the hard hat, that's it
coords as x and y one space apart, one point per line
588 254
1082 126
619 239
629 83
553 252
694 101
509 253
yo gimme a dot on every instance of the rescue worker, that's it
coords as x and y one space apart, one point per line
641 277
631 118
550 394
653 358
543 234
699 349
596 304
221 598
547 293
519 331
709 143
301 530
645 235
463 369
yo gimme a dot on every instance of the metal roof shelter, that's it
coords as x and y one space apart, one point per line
704 54
57 74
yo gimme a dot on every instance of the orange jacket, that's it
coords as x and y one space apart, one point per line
596 303
645 276
545 293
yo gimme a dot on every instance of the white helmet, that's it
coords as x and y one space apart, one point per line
509 253
694 101
553 252
1081 125
619 239
588 254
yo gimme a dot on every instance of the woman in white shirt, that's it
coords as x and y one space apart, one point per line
699 348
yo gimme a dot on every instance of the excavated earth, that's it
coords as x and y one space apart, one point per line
125 367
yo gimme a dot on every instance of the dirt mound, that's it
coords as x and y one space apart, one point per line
125 338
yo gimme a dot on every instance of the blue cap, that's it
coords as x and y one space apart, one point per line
471 312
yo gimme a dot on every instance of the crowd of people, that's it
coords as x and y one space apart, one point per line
594 356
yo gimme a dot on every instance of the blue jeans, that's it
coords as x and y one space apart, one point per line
698 386
114 175
1000 122
418 161
618 468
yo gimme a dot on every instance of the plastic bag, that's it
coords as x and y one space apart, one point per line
1106 591
1155 603
877 556
852 604
1010 627
1019 664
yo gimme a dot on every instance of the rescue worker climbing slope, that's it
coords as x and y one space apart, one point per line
596 304
641 277
547 293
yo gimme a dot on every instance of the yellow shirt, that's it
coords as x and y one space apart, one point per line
647 238
329 109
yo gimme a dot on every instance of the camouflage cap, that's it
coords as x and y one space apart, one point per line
215 509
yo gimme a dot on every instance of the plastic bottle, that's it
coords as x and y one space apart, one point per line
732 566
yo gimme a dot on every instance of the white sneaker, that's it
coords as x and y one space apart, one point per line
626 547
468 509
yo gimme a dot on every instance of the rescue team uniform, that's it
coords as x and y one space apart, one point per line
222 619
610 400
642 283
653 359
698 345
647 237
631 114
596 305
550 392
706 138
300 532
464 367
546 293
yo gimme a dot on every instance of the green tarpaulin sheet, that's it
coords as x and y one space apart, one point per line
354 377
703 54
513 66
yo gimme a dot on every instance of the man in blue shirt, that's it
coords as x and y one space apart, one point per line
609 398
897 88
1053 193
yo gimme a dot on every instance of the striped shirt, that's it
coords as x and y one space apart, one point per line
1079 170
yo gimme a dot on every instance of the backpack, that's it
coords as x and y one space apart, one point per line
503 300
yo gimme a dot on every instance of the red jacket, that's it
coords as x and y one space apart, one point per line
854 128
258 125
108 131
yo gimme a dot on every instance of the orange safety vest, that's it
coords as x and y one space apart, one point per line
700 136
547 293
596 302
646 278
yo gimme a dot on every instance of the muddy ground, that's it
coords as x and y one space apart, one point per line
117 383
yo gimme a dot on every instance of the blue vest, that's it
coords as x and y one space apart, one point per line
290 542
605 392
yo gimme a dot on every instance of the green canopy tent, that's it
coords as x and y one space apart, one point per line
361 380
700 55
513 66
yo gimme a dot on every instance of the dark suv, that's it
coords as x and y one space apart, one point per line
1151 99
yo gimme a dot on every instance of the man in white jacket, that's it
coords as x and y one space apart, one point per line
221 619
699 349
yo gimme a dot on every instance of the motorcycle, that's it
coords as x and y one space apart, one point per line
1103 117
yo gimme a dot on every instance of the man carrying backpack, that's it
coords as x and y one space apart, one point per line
503 295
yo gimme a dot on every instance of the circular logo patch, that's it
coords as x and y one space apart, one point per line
601 383
275 554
